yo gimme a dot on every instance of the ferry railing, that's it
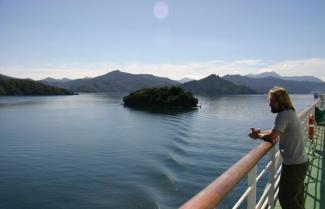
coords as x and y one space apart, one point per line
212 195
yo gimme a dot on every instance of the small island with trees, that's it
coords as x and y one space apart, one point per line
161 97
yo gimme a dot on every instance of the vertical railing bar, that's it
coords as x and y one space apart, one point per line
251 198
271 177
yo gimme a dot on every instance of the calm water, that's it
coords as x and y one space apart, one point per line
88 151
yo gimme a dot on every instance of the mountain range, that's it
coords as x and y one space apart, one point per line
115 81
262 85
118 81
276 75
214 85
49 79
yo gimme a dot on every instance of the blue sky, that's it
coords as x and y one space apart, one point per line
70 38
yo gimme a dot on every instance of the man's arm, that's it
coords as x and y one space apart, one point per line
270 135
280 124
266 132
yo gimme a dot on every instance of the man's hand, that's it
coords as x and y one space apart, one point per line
255 133
271 136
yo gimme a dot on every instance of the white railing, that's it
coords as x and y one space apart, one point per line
211 196
269 196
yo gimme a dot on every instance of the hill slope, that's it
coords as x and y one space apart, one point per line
115 81
213 85
18 87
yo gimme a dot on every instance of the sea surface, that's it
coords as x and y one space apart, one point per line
89 151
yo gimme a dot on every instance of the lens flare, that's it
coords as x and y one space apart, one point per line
161 10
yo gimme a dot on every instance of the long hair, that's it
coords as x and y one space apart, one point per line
281 95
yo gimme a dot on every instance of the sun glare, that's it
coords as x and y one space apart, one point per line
161 10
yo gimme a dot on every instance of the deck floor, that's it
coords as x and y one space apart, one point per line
315 179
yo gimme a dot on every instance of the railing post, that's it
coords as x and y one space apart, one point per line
272 173
305 128
251 198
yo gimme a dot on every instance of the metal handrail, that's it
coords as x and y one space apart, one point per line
212 195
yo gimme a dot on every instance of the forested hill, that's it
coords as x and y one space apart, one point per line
10 86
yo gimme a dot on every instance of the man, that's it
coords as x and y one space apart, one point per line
287 129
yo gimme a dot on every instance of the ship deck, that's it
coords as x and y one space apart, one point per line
315 179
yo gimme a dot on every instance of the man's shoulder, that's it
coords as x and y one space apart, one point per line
286 114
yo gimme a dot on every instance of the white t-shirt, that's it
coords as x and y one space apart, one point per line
292 146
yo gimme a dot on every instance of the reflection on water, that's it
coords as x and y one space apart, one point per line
163 110
89 151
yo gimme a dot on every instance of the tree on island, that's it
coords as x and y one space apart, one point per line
163 96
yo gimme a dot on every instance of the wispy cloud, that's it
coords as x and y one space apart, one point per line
196 70
315 67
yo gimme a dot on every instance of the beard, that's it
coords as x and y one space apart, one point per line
275 110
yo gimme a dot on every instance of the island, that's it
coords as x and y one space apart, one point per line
10 86
161 97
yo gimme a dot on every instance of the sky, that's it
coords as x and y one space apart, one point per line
170 38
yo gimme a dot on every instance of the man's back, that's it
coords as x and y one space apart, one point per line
291 140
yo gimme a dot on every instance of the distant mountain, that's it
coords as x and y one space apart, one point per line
49 79
262 85
10 86
276 75
186 79
264 74
115 81
213 85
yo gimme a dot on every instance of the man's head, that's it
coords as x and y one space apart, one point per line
279 100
